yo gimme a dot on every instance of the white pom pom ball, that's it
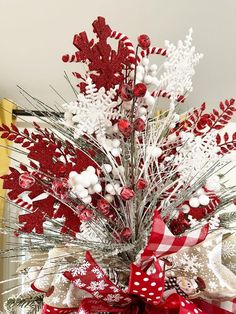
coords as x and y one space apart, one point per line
145 61
107 168
90 169
194 202
147 79
97 188
93 179
149 100
115 143
154 151
87 200
83 193
204 200
115 152
110 189
109 198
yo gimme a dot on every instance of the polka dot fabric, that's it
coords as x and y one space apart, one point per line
149 287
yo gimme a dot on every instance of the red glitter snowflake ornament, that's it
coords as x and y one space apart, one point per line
105 63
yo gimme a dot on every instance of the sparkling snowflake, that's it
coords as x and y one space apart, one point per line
196 156
179 67
190 263
213 285
97 272
228 249
97 285
114 289
113 298
93 111
79 283
80 270
97 295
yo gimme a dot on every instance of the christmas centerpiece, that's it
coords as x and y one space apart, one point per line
122 202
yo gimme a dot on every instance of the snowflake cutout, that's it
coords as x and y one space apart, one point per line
93 111
97 272
179 68
113 298
97 285
80 270
190 263
79 283
196 156
228 249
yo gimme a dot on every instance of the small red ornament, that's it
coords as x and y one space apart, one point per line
86 214
139 125
127 194
104 207
126 92
125 127
61 188
140 90
144 41
141 184
126 233
26 180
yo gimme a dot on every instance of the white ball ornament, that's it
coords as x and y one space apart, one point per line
87 200
78 188
153 67
139 76
73 174
91 169
154 151
83 193
107 168
93 179
149 100
185 208
85 180
147 79
145 61
194 202
97 188
109 198
140 69
204 200
115 152
115 143
110 189
142 111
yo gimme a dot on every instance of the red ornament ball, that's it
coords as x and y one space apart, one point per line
141 184
26 180
144 41
140 90
126 92
104 207
125 127
139 125
127 194
86 214
61 188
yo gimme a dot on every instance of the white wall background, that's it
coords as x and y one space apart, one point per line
34 34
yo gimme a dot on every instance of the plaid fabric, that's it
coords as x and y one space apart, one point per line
162 242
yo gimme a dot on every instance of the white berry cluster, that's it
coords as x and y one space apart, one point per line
115 187
84 184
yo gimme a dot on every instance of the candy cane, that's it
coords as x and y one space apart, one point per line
151 51
23 204
127 43
165 94
71 58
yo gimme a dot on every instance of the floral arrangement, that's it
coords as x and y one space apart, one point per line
121 203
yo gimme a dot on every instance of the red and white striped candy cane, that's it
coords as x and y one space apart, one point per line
127 43
71 58
23 204
165 94
151 51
